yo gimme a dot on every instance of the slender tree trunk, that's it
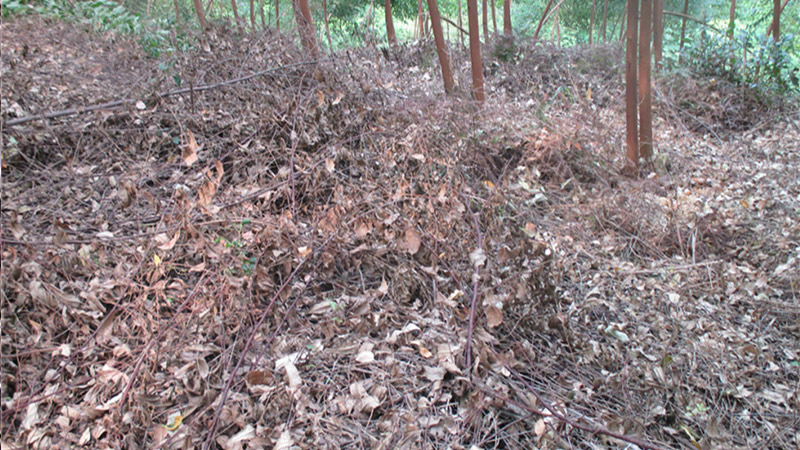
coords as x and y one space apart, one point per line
556 26
494 20
591 24
776 20
201 16
441 47
253 14
623 25
421 19
631 126
475 50
605 18
236 17
305 26
485 22
177 12
658 32
731 23
327 29
261 13
645 94
460 24
769 29
542 19
507 18
391 37
277 16
683 29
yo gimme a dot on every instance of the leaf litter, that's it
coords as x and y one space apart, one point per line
289 262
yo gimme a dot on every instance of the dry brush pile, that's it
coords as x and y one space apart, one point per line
292 259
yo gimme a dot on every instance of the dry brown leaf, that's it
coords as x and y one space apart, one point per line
189 152
494 316
412 241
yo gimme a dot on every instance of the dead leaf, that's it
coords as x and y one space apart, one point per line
171 243
494 316
412 241
189 152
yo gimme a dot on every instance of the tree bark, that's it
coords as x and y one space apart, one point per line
236 17
658 33
391 37
645 94
177 12
460 25
253 14
683 29
769 29
605 18
631 126
475 51
776 20
421 19
261 13
441 48
277 16
542 19
327 29
731 23
305 27
507 18
485 22
201 16
591 24
494 20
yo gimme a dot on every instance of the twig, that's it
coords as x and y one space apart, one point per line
256 327
127 101
157 337
562 418
476 277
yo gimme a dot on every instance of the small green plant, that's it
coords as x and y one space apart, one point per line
750 58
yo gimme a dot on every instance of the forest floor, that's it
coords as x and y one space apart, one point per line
293 259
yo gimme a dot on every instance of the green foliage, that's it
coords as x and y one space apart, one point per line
101 15
750 58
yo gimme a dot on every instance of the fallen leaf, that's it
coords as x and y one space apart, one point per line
189 152
412 241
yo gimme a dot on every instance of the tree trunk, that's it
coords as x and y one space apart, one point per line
507 18
420 19
305 27
327 29
645 94
658 33
494 20
177 12
631 126
605 18
277 16
542 19
776 20
441 48
391 37
683 29
475 50
591 24
460 24
236 17
261 13
731 23
485 22
769 29
556 26
201 16
253 14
